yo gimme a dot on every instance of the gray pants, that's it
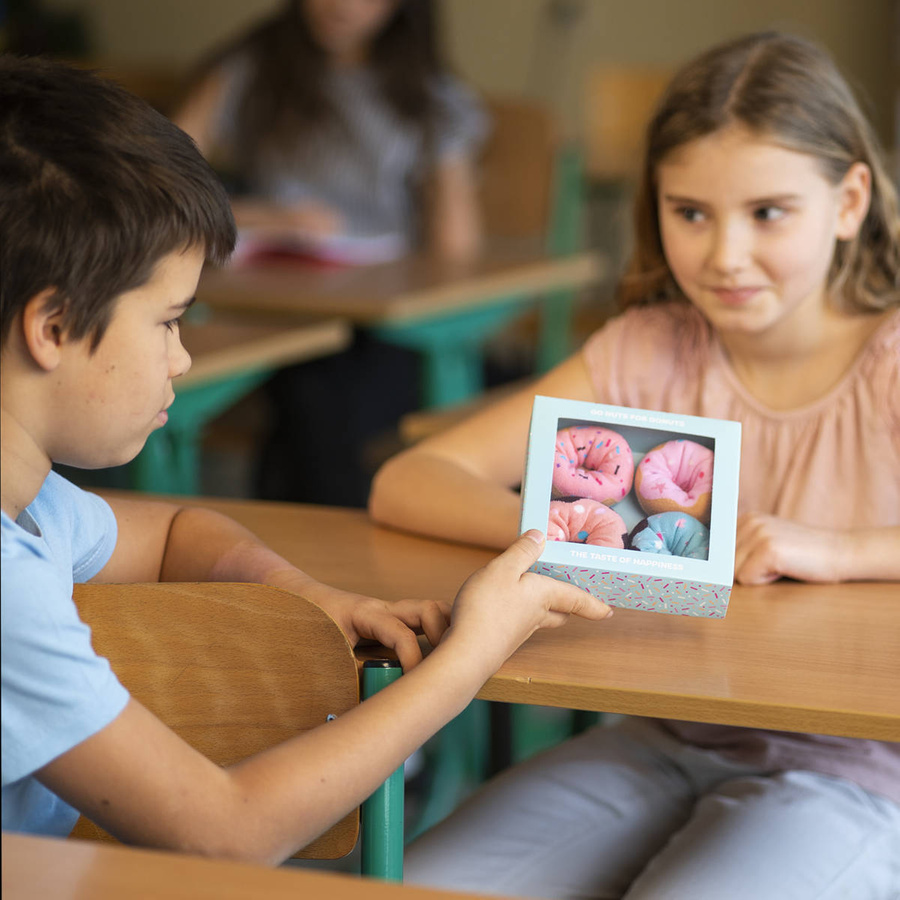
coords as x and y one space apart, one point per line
630 812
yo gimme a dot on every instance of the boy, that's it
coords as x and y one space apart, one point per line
107 213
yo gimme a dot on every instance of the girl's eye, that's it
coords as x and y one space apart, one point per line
768 213
171 325
690 213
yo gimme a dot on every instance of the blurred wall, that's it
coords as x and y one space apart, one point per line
542 48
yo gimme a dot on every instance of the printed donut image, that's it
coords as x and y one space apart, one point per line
676 477
671 534
592 462
586 522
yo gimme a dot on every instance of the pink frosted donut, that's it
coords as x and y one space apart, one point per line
592 462
676 477
586 522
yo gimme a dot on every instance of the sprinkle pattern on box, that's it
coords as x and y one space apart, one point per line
664 595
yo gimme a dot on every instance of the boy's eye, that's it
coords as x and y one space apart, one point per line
768 213
690 213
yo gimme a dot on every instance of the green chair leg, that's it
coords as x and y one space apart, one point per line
382 813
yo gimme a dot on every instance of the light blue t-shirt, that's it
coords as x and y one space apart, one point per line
55 690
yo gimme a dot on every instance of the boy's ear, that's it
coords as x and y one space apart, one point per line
42 329
855 194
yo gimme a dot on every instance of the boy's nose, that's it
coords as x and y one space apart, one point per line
179 359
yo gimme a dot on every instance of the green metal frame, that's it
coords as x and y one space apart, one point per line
383 813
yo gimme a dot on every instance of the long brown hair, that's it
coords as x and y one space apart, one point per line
787 89
286 95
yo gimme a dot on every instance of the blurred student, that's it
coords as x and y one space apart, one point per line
107 213
342 132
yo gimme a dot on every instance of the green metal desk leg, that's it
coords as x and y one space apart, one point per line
565 236
382 813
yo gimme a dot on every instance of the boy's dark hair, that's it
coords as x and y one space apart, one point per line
95 188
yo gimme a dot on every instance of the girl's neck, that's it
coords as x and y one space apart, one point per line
349 58
797 363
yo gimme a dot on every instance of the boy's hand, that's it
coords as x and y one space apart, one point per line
394 625
768 548
501 605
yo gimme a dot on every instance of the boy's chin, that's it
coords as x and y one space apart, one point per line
107 461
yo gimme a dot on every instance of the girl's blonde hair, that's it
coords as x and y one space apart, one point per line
787 89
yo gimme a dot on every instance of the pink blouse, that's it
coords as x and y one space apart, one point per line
833 462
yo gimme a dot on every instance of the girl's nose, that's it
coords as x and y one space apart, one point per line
730 248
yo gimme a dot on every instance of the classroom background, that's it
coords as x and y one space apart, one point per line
595 66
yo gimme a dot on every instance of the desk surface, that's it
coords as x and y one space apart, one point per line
799 657
42 868
412 287
229 343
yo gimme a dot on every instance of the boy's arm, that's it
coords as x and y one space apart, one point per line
142 783
160 541
459 484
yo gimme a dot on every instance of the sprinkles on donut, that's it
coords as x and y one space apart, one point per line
671 534
582 521
676 477
592 462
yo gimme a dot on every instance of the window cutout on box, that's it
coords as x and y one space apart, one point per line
644 490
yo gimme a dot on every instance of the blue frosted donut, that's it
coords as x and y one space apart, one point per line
671 534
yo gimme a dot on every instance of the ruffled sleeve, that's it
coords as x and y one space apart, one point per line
461 121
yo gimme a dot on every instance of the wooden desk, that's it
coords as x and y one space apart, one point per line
444 310
231 355
43 868
799 657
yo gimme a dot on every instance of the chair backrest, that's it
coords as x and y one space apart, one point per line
620 100
517 168
231 668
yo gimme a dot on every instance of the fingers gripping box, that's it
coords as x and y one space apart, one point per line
639 507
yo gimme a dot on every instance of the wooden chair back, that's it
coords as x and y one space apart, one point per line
231 668
517 169
619 102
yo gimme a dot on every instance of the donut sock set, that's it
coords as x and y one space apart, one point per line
594 469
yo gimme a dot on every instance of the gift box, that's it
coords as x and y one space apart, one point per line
639 507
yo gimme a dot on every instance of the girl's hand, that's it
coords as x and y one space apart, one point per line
310 220
501 605
769 548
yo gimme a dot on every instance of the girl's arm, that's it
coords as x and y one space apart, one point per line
460 484
200 110
197 116
453 211
141 782
769 548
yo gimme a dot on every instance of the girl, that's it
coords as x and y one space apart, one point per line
334 116
763 288
339 128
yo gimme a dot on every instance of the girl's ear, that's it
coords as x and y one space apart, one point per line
42 329
854 195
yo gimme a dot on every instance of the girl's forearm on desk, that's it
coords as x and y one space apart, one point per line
427 494
872 554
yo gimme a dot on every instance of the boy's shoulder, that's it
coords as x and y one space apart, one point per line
64 528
